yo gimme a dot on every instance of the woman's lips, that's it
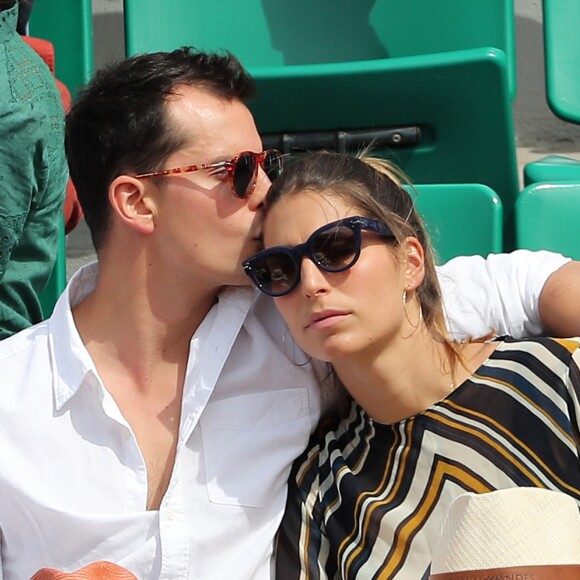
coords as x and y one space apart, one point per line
326 319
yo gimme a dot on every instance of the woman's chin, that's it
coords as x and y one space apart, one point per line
335 353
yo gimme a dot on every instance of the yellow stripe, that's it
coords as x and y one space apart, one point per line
442 470
304 551
570 345
347 540
530 402
500 428
440 473
491 442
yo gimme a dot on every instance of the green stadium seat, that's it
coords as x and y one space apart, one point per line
552 168
547 216
562 54
57 281
462 219
274 33
429 84
562 67
68 25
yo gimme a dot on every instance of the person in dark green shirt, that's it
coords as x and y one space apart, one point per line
33 175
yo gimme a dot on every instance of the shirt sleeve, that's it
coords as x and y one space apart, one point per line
498 294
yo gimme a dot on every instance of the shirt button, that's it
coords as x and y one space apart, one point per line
170 515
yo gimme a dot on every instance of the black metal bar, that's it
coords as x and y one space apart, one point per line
343 141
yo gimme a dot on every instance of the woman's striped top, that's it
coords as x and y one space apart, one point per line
366 500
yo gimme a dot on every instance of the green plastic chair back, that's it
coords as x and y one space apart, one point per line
552 168
277 32
562 68
330 75
562 54
57 281
461 219
547 217
464 134
68 25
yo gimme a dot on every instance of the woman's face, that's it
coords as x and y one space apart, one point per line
343 314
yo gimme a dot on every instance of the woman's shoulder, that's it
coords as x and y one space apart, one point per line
538 346
544 358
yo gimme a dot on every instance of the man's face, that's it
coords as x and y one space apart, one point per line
204 230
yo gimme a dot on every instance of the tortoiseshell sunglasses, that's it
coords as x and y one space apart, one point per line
242 170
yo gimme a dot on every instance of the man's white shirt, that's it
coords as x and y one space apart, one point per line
73 482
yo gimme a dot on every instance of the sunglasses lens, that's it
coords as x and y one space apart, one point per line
336 249
243 177
273 164
275 273
245 171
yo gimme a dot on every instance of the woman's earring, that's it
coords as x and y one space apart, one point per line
419 321
295 349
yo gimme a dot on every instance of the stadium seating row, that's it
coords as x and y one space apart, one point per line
429 84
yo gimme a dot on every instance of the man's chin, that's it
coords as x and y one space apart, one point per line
239 279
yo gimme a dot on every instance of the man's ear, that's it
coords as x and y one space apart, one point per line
414 262
132 204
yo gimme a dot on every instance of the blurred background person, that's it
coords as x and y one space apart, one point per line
33 175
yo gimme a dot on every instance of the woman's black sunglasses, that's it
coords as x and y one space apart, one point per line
334 247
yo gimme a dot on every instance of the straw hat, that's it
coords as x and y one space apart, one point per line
93 571
520 533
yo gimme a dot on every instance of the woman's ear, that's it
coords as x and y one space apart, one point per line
132 204
413 263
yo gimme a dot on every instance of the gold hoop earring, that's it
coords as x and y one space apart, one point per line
295 349
419 321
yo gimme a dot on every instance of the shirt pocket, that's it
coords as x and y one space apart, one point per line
10 232
250 443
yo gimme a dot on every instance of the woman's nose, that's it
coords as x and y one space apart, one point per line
313 280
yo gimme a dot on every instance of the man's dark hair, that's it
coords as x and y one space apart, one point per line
118 123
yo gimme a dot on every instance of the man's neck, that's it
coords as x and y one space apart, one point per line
138 331
139 326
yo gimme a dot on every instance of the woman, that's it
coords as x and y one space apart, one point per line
349 264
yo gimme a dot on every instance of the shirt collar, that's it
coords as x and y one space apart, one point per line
70 359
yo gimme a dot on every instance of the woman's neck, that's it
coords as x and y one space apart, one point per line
409 375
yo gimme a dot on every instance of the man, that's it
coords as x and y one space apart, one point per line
152 421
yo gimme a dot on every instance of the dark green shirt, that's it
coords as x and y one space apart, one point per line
33 177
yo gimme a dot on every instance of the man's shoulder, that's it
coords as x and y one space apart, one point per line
23 344
25 366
